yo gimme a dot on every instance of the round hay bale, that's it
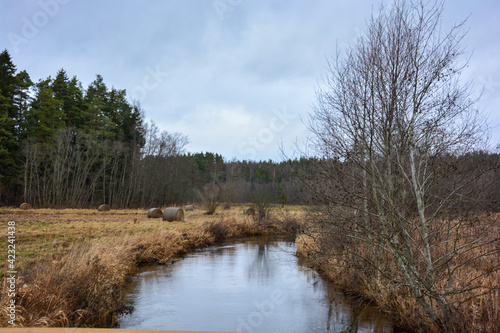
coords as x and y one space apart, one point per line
173 214
189 208
104 208
154 213
25 205
249 211
227 205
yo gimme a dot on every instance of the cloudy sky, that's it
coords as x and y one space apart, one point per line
238 77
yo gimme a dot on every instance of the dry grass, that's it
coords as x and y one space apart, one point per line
477 310
73 263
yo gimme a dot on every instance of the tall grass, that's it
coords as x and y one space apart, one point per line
476 309
79 289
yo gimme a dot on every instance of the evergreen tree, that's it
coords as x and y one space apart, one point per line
8 80
8 112
96 100
7 142
22 103
46 115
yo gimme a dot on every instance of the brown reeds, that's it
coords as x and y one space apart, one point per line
476 309
82 288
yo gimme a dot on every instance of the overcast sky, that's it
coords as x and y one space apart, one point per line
236 76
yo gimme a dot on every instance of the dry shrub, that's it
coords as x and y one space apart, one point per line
227 228
481 313
160 246
476 310
282 222
306 246
83 288
199 238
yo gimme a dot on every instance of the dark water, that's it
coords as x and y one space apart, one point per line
253 286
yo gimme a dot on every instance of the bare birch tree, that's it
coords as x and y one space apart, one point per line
392 121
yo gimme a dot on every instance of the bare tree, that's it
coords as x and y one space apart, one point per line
393 121
262 196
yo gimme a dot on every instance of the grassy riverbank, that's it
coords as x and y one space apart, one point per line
477 309
73 263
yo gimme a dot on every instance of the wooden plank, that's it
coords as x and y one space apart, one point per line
85 330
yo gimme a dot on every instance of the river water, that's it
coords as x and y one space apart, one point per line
255 285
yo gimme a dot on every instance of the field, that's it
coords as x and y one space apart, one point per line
73 263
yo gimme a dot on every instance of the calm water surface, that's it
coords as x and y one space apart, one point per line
256 285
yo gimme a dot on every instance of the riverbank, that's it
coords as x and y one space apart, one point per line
478 309
72 264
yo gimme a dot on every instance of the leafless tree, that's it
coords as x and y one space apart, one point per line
262 196
211 195
393 121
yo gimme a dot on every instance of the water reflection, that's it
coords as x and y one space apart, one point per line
254 286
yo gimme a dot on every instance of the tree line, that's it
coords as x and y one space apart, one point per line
65 146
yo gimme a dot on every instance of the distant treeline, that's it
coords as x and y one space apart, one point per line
65 146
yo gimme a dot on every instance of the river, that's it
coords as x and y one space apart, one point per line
254 285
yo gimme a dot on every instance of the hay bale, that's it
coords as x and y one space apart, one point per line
104 208
189 208
154 213
249 211
25 205
227 205
173 214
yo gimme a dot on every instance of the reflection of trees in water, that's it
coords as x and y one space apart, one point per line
345 314
263 265
260 267
353 316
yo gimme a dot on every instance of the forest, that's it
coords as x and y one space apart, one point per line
65 146
62 145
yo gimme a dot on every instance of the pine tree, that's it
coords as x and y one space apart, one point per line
7 142
46 115
8 80
22 103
